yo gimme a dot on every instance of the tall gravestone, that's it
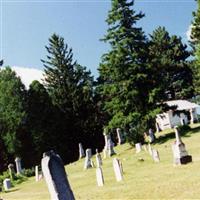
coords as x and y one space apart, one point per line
138 147
155 155
98 160
117 169
11 171
36 173
18 165
88 162
55 177
179 151
99 176
109 146
120 136
150 149
81 151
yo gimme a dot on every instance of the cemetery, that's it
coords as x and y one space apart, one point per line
123 175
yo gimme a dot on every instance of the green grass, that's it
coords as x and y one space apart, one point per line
142 180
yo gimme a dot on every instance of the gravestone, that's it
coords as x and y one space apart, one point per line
6 184
81 151
109 146
117 169
88 162
150 149
99 175
55 177
36 173
145 147
120 136
98 160
155 155
18 165
11 171
138 147
179 151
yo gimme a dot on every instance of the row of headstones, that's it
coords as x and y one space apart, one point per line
56 179
152 152
178 148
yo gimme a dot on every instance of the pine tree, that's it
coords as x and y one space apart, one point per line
195 41
123 70
171 76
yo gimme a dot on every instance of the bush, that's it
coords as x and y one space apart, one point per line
29 172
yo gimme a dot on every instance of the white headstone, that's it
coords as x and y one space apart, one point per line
99 175
6 184
55 177
119 136
150 149
18 165
109 146
98 160
36 173
138 147
117 169
88 163
81 151
155 155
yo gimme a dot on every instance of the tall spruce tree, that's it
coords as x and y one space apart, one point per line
123 70
195 41
170 75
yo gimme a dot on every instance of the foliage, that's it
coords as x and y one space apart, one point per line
12 112
122 81
29 172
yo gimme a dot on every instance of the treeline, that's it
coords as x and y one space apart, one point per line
136 76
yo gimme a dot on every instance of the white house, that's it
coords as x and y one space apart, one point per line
185 112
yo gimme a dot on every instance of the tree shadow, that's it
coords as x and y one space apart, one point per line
11 190
171 135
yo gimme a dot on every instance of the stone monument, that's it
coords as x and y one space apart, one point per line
179 151
6 184
81 151
18 165
117 169
99 175
138 147
88 161
11 171
55 177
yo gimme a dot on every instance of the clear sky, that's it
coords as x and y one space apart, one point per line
26 26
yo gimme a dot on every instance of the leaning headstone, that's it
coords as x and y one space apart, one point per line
55 177
179 151
11 171
7 184
88 161
138 147
117 169
18 165
120 136
150 149
155 155
99 175
98 160
36 173
81 151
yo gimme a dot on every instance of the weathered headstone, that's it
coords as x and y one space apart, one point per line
99 175
18 165
55 177
11 171
7 184
88 162
81 151
98 160
138 147
117 169
109 146
120 136
155 155
36 173
150 149
179 151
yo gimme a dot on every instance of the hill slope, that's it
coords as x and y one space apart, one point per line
142 180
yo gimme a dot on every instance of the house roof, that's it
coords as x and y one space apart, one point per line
182 104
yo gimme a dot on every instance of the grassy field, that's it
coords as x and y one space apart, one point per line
142 180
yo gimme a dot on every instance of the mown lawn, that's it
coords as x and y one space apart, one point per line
142 180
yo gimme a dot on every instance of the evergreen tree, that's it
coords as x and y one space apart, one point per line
195 41
122 70
170 75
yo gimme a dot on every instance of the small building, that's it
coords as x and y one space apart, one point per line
182 112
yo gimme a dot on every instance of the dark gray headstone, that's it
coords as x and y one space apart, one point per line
55 176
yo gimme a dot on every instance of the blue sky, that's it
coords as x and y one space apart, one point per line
27 25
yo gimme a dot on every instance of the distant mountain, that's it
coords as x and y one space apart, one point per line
28 75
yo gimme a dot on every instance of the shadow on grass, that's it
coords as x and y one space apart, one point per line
171 135
11 190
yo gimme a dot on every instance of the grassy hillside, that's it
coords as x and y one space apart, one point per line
142 180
